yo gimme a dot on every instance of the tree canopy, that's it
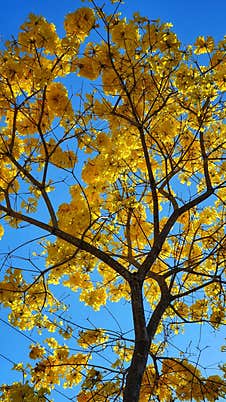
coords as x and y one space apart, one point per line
119 185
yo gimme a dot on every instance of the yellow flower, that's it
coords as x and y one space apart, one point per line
89 68
95 298
80 22
91 337
204 45
1 231
57 98
36 352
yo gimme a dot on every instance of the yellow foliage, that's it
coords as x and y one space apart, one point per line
128 179
90 337
18 392
36 352
1 231
94 297
80 22
204 45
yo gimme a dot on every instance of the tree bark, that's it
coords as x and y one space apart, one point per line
144 335
142 345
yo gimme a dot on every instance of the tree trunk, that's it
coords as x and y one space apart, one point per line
142 345
144 335
136 372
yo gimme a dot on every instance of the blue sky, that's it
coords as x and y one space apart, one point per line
190 19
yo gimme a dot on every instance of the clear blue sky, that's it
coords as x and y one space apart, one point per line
190 18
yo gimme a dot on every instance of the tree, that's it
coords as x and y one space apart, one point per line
125 183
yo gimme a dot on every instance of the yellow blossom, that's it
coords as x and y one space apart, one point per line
80 22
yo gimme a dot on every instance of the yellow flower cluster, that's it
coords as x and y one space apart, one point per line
75 217
38 33
94 298
176 379
36 351
204 45
91 337
59 365
80 22
101 392
18 392
57 100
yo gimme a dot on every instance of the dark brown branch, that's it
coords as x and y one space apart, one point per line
81 244
142 344
195 289
37 184
152 184
205 162
157 246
